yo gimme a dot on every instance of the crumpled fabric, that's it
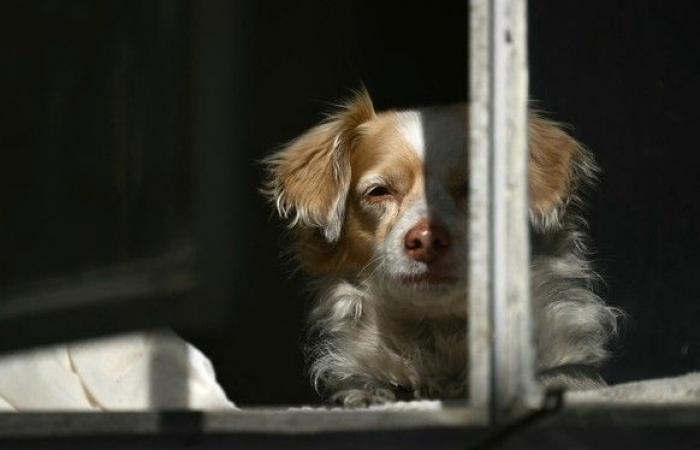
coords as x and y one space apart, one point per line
138 371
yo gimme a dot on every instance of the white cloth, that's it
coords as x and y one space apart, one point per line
136 371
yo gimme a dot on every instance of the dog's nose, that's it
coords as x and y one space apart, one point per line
426 242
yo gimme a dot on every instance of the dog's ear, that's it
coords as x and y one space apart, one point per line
558 166
308 180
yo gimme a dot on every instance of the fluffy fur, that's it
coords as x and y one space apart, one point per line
390 320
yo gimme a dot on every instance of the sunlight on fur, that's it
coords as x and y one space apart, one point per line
377 207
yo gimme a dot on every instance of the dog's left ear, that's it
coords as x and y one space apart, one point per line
558 166
308 180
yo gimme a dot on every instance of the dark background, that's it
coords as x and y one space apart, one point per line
96 146
625 75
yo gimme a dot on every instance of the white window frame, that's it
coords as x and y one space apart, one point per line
501 337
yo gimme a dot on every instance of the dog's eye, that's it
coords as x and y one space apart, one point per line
377 192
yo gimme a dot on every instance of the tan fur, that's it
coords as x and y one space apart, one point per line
310 177
555 160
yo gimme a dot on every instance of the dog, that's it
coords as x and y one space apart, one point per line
377 206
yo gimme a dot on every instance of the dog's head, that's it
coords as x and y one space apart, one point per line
383 196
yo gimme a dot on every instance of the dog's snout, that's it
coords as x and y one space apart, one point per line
426 242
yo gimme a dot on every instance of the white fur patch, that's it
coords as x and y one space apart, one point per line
410 125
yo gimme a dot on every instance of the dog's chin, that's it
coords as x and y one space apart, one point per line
426 294
427 281
426 285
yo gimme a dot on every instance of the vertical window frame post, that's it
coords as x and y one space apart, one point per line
501 337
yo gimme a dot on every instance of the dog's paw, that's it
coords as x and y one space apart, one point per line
362 398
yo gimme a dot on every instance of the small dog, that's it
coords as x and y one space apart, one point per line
378 207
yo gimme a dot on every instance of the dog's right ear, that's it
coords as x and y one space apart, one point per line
308 180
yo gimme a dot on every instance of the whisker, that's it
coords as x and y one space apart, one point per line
367 266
